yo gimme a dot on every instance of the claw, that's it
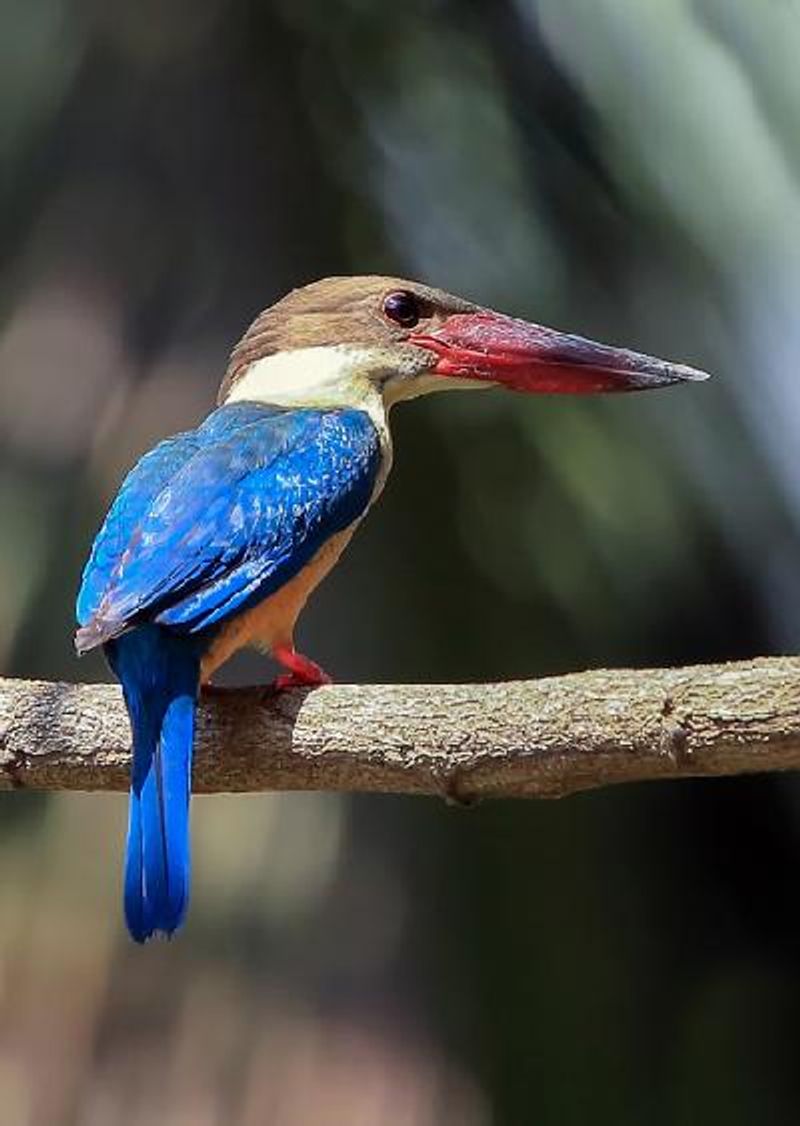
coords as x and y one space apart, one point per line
303 672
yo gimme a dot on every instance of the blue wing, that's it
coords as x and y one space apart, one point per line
214 520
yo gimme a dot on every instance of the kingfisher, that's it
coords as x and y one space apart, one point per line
218 535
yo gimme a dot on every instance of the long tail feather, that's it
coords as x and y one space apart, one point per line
159 674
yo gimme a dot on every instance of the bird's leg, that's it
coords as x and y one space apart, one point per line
303 672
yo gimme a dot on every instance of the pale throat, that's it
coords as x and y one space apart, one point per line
341 375
332 376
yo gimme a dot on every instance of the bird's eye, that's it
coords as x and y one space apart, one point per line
403 308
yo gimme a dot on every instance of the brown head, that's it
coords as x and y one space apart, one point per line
410 339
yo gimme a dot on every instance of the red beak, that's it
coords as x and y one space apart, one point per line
528 357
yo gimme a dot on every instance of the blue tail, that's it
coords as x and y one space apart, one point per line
160 674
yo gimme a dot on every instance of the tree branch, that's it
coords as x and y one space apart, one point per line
543 738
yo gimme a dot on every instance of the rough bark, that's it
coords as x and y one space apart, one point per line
543 738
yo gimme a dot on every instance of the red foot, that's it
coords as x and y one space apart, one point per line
303 673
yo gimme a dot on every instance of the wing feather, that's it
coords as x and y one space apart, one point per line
212 521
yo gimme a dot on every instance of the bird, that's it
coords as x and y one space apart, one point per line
218 536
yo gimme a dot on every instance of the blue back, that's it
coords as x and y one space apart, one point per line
212 521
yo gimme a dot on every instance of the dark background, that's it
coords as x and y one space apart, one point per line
622 169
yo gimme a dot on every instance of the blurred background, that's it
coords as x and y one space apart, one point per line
628 171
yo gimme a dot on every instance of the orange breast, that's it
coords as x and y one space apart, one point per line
272 622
